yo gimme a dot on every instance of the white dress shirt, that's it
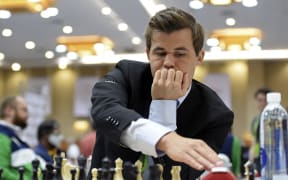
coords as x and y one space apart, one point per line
143 134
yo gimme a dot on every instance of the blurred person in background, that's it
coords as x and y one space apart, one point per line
14 152
73 153
50 140
260 97
87 142
232 148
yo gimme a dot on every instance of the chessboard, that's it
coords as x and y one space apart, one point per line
62 169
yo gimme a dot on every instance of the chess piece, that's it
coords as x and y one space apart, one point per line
35 165
118 169
44 172
49 171
58 165
106 171
138 164
94 173
66 170
82 166
175 172
130 171
161 170
73 173
1 171
154 173
21 173
64 161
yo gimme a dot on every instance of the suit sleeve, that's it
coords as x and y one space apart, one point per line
218 128
110 99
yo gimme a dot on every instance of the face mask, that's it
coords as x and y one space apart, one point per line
56 139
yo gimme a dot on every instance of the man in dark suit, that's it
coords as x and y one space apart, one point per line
157 109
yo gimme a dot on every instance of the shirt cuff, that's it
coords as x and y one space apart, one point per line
143 135
164 112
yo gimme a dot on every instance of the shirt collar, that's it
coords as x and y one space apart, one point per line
17 129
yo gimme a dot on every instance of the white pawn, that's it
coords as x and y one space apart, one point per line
138 164
94 173
118 169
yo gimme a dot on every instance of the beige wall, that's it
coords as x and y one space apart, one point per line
245 77
276 75
238 75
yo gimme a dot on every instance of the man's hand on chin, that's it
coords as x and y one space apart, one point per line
169 84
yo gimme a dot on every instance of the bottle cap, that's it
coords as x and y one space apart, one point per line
273 97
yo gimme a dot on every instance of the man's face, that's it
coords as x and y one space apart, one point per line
174 50
261 101
21 113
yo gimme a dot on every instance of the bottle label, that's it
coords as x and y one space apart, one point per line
263 157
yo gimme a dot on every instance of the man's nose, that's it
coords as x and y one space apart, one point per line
169 61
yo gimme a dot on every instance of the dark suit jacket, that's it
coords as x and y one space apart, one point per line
124 95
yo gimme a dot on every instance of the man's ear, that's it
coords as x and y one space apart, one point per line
200 57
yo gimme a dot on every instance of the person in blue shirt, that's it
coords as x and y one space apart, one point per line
50 139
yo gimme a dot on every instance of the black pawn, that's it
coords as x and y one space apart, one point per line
106 171
155 173
73 173
129 171
1 171
21 173
44 172
58 166
35 165
49 172
82 167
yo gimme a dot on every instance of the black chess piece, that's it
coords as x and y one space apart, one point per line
58 166
106 172
21 171
43 172
155 173
129 171
73 173
82 167
49 171
35 165
1 171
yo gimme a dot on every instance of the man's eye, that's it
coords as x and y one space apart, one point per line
179 55
161 54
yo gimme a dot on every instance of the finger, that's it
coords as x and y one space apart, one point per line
157 76
201 160
189 160
171 75
205 151
163 75
185 82
179 76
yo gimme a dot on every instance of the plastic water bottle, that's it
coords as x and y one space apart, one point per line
274 140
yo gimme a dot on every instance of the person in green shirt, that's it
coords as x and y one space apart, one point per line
14 152
260 97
